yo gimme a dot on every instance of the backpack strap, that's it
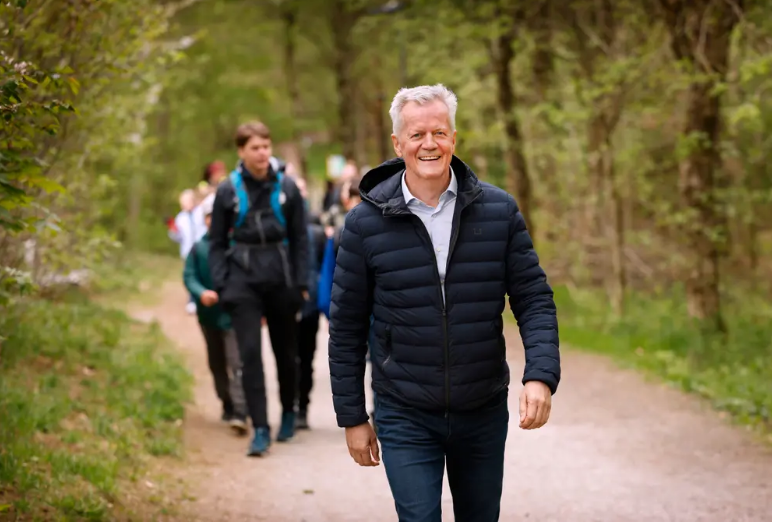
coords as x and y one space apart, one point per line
278 201
242 199
277 197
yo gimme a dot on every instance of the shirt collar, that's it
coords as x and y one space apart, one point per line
452 187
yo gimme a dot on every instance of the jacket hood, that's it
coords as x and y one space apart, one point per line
382 185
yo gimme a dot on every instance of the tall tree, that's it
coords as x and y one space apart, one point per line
289 17
701 33
596 26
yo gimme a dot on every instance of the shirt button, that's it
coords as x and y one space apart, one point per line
439 249
434 215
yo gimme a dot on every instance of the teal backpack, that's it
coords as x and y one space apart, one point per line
278 198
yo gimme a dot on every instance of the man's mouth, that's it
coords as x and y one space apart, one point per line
429 158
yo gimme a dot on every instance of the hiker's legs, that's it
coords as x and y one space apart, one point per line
307 330
215 350
282 328
247 323
234 363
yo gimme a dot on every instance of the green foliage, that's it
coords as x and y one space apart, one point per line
28 113
86 396
73 180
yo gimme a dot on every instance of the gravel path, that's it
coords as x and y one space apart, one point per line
616 449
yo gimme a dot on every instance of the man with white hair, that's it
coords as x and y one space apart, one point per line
431 254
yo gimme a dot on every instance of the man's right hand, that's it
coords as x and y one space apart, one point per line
363 445
209 298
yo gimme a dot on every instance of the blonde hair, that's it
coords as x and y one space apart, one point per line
187 195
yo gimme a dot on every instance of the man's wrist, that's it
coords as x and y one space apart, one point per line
352 421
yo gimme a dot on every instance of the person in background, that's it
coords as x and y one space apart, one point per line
292 171
214 173
188 228
308 326
259 262
335 193
335 218
221 347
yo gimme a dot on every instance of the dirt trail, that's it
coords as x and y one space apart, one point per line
616 449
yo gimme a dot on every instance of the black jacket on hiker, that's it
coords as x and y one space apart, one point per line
427 354
258 253
259 269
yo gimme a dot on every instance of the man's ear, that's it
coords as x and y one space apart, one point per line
395 143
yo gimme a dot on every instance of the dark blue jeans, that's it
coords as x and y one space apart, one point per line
416 445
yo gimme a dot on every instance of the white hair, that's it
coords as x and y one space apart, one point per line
421 95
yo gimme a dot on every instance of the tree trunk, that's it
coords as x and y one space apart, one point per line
518 181
543 69
342 22
360 130
384 142
379 111
619 284
290 72
701 36
606 215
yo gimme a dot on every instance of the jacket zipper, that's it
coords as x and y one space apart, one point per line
428 239
259 219
285 266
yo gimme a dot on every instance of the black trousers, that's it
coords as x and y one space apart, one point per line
279 306
307 330
225 364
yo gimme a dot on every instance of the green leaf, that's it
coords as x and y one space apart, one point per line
74 85
46 184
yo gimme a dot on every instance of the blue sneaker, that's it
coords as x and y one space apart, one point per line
260 442
287 429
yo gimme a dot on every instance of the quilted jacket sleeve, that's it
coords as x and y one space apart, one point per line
532 303
350 311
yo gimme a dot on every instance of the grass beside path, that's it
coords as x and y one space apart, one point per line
91 404
656 336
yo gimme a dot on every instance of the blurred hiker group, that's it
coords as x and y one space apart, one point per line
256 254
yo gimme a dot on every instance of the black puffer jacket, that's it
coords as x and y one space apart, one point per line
428 354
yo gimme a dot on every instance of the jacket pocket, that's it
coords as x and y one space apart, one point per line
387 347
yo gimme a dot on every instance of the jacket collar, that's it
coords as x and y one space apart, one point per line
248 175
382 186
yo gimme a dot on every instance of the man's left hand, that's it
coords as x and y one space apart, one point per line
535 405
305 295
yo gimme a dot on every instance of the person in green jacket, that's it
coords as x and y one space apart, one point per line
221 345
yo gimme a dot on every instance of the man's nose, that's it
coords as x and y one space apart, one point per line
429 142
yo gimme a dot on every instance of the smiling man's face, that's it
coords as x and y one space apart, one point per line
425 141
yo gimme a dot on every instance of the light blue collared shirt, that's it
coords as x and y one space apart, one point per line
438 221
